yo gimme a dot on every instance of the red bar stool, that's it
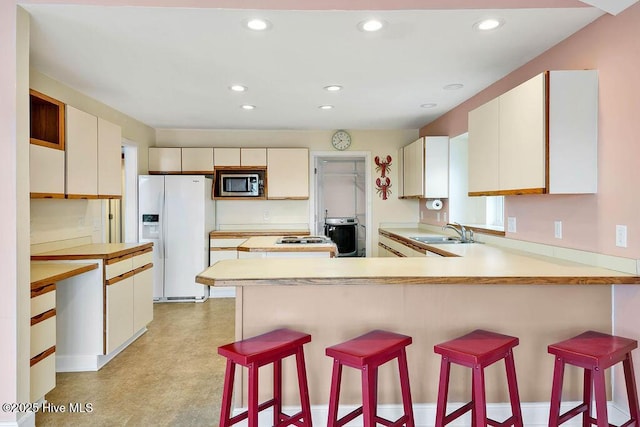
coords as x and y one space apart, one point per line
595 352
367 353
477 350
258 351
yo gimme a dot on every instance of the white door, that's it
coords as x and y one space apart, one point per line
184 231
150 224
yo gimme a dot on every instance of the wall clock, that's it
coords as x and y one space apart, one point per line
341 140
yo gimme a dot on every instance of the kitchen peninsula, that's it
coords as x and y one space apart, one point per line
101 312
538 299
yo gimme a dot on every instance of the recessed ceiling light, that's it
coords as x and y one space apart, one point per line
429 105
371 25
488 24
238 88
333 88
326 107
453 86
248 107
257 24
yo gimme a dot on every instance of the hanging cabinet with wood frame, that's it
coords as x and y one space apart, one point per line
538 138
46 151
93 157
425 168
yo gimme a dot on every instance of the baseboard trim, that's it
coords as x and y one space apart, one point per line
534 414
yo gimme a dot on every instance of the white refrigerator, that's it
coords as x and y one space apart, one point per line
176 213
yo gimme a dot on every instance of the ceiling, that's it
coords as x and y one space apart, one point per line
171 67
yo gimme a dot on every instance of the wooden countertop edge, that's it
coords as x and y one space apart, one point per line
289 248
240 234
81 268
104 255
428 280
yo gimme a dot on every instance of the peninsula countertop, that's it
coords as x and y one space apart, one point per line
270 244
475 263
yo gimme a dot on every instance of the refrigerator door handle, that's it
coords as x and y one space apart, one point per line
164 225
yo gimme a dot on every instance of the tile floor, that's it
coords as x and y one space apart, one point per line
170 376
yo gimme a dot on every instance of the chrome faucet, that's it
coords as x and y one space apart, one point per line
462 232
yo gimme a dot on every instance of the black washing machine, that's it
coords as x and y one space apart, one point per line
344 233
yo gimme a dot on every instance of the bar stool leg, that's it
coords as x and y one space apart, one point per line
587 397
303 386
277 391
253 396
556 393
334 397
404 386
632 392
601 398
479 400
473 404
369 395
227 393
514 396
443 391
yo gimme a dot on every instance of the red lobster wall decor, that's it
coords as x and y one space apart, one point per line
383 183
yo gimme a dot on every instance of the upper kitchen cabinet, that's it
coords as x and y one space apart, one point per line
240 157
400 166
47 120
540 137
197 161
46 151
165 161
425 168
93 157
287 173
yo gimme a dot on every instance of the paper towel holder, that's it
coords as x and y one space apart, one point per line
433 204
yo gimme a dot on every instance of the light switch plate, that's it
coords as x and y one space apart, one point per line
511 224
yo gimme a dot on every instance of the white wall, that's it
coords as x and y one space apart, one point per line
377 142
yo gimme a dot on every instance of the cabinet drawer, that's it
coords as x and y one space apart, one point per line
226 243
142 259
115 268
43 376
43 333
43 299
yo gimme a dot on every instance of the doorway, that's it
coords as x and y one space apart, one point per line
342 197
122 214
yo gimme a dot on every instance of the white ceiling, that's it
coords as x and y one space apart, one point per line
171 67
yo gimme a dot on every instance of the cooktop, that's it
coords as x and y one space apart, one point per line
303 240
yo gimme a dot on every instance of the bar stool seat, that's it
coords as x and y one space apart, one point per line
477 350
271 347
595 352
366 353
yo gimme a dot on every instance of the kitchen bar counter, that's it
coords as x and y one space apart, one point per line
251 233
539 299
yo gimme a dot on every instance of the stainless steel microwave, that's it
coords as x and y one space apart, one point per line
239 184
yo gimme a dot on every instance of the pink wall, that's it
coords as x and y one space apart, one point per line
610 45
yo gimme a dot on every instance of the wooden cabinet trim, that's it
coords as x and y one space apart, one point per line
393 251
508 192
60 118
119 278
119 258
143 268
44 289
40 357
43 316
82 196
47 195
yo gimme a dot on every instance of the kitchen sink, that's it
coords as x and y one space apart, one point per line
437 239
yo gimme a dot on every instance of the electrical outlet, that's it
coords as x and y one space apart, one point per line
621 236
511 224
557 233
265 216
421 215
438 216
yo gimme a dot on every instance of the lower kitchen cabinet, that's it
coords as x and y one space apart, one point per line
119 313
390 246
43 341
221 249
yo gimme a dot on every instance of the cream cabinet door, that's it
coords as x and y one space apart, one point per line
226 156
414 169
483 147
142 299
400 168
523 136
436 167
165 160
253 157
109 159
288 173
197 161
46 171
81 154
119 313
